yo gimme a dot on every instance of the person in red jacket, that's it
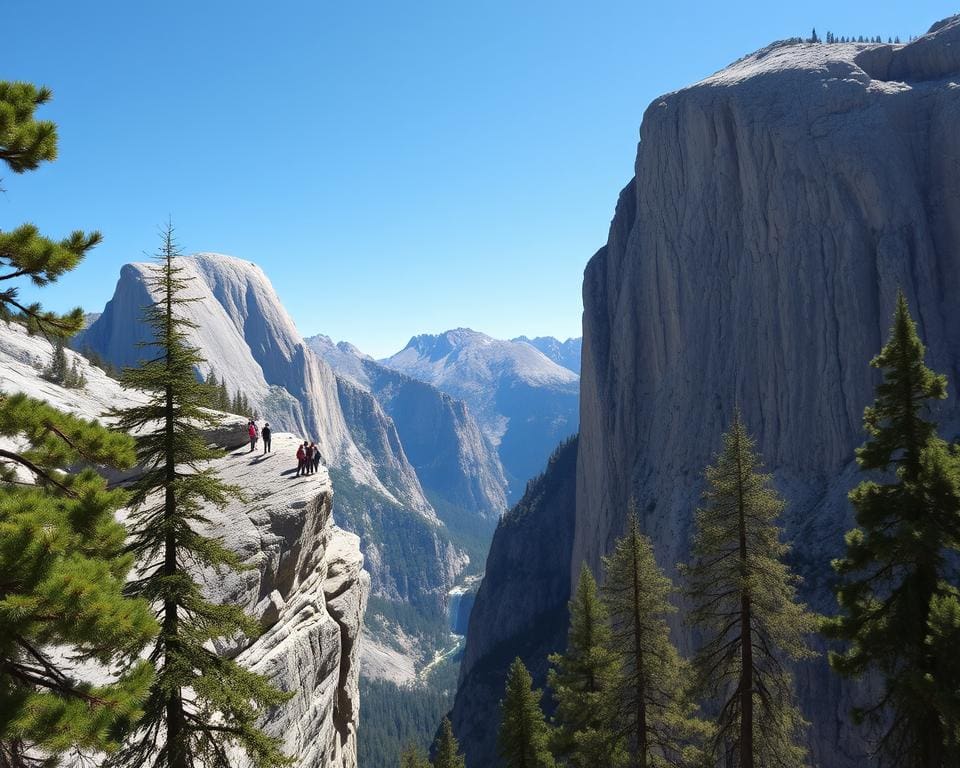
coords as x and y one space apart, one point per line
253 434
301 459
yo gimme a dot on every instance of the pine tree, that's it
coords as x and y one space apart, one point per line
200 703
223 397
899 614
744 601
58 370
25 143
524 738
655 711
62 568
582 682
413 757
75 378
446 750
62 558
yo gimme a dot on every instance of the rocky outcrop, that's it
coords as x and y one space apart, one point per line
524 402
304 581
754 259
306 584
521 606
566 353
454 461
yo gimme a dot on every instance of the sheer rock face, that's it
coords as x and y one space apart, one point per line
521 606
453 459
305 583
754 259
524 402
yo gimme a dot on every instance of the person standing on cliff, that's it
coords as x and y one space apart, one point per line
265 434
253 434
301 458
316 457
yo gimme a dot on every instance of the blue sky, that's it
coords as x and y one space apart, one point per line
396 168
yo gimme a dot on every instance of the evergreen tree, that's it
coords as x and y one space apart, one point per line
446 750
200 703
744 601
62 558
412 757
899 612
25 143
58 369
75 378
582 682
61 371
524 737
62 568
655 711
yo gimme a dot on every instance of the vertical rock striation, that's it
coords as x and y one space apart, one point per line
521 606
754 259
776 207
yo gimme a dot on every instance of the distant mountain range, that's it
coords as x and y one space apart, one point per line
525 402
565 353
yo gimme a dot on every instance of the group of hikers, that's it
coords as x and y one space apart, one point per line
308 454
308 458
255 434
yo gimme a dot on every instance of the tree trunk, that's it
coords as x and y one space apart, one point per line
746 635
640 759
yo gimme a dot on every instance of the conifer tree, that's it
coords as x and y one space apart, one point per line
58 368
744 601
62 568
200 703
446 750
655 712
582 681
25 143
223 398
524 738
413 757
899 612
62 555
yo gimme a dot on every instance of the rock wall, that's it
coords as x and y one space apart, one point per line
521 606
754 259
776 207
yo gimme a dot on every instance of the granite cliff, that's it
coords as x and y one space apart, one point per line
754 258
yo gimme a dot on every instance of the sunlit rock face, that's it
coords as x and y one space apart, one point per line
754 259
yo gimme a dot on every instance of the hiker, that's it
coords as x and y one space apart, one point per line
253 434
316 457
265 434
301 459
309 458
